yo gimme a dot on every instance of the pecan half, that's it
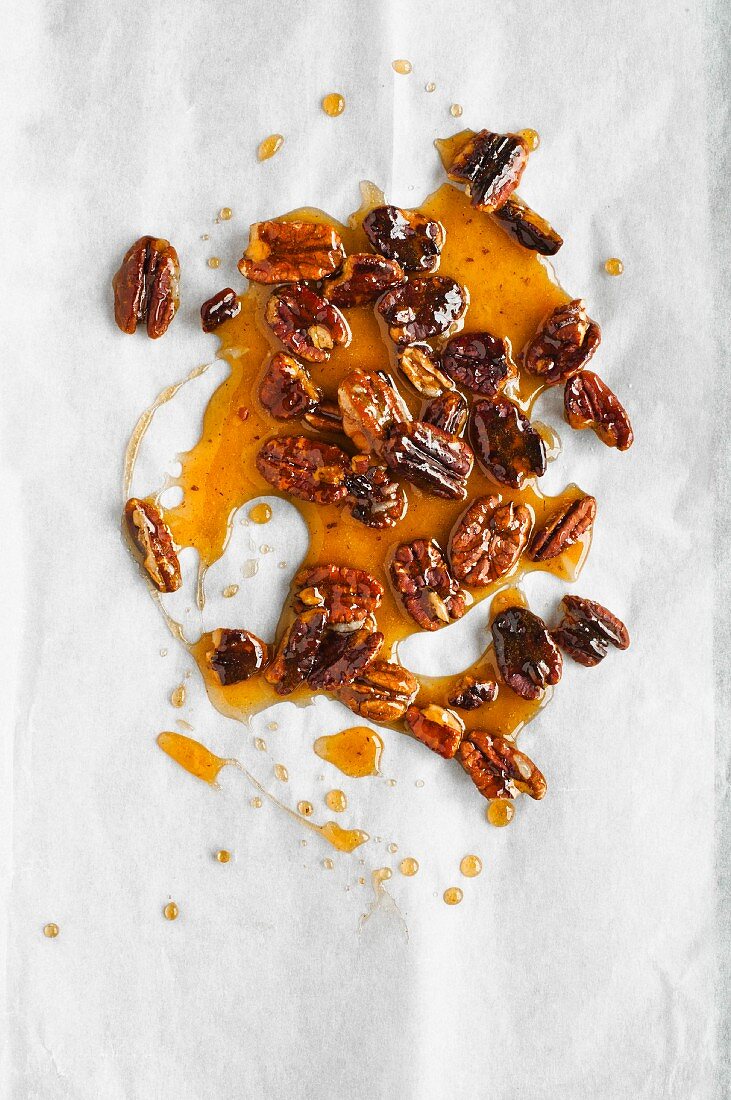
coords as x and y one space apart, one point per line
374 498
448 412
428 457
479 362
237 655
428 590
436 727
286 390
498 769
589 403
506 443
221 307
423 308
406 236
369 402
343 656
418 363
153 541
588 629
349 595
305 468
296 653
488 540
470 693
563 529
564 343
527 656
326 417
363 279
491 166
146 287
285 252
383 693
528 228
307 324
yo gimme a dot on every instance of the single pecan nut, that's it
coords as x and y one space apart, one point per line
147 287
498 769
418 363
528 228
307 324
406 236
436 727
296 653
285 252
527 656
349 595
428 457
448 412
588 629
237 655
221 307
564 343
491 166
423 308
383 693
563 529
469 693
286 391
363 279
428 590
374 498
488 540
369 403
479 362
153 542
589 403
326 417
305 468
343 656
506 443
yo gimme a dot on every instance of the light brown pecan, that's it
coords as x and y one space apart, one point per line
146 287
429 592
406 236
237 655
305 468
369 403
506 443
374 498
436 727
469 693
448 412
423 308
285 252
221 307
295 657
488 540
491 166
419 364
479 362
363 279
307 324
428 457
286 391
563 529
528 228
349 595
527 656
497 768
588 629
154 544
564 343
589 403
382 693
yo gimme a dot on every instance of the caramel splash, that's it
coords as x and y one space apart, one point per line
355 752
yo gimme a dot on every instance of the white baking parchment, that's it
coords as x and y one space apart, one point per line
584 962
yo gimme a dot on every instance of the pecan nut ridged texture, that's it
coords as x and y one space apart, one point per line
414 241
305 468
286 390
563 529
374 498
295 657
369 402
147 287
498 769
429 592
439 728
479 362
326 417
470 693
589 403
343 656
488 540
423 308
588 629
428 457
237 655
382 693
448 412
223 306
153 542
563 344
307 324
364 278
491 166
419 364
527 657
505 442
528 228
285 252
348 595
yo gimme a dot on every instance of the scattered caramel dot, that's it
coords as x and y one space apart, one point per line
471 866
265 548
305 808
456 110
453 895
336 801
391 782
256 803
328 864
303 844
402 66
531 138
419 783
393 847
613 266
250 568
163 653
361 882
408 866
225 213
281 565
333 104
177 697
171 911
260 744
500 812
50 931
214 261
430 87
281 773
272 725
269 146
230 590
223 855
260 513
205 236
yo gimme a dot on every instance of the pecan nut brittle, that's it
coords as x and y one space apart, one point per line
469 693
589 403
237 655
428 590
588 629
419 364
563 529
564 343
307 324
147 287
223 306
528 228
448 412
488 540
423 308
153 542
415 242
439 728
382 693
343 656
491 166
374 498
369 402
527 656
349 595
286 390
295 656
479 362
509 448
364 278
305 468
285 252
498 769
428 457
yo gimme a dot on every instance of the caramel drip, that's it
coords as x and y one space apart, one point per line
355 752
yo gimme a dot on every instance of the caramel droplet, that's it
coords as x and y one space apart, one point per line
214 261
328 864
500 812
50 931
260 513
230 590
272 725
177 697
453 895
430 87
345 840
355 752
336 801
225 213
223 855
471 866
281 773
171 911
456 112
260 744
305 808
408 866
531 138
402 66
250 568
333 104
269 146
256 802
419 783
393 848
191 755
613 266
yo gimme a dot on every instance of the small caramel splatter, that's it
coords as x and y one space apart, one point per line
471 866
163 653
456 110
531 138
336 801
500 812
205 236
393 847
272 725
430 87
419 783
391 782
171 911
402 66
260 513
230 590
225 213
328 864
269 146
260 744
50 931
177 697
408 866
256 803
214 261
281 773
306 808
614 266
453 895
223 855
333 104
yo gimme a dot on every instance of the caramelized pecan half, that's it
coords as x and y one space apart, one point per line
369 403
295 656
488 540
423 308
436 727
363 279
305 468
285 252
527 656
419 364
506 443
221 307
343 656
325 418
154 544
479 362
491 166
497 768
146 287
528 228
563 529
448 412
286 391
405 236
307 324
588 629
237 655
428 457
469 693
374 498
382 693
428 590
564 343
349 595
589 403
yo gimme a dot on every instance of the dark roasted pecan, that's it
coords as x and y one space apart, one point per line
343 656
563 529
470 693
154 543
405 236
146 287
587 630
448 412
526 655
383 693
419 364
296 653
429 592
307 325
369 403
506 443
349 595
363 279
221 307
423 308
374 498
286 390
238 655
497 768
479 362
491 166
528 228
589 403
428 457
285 252
488 540
325 418
436 727
564 343
305 468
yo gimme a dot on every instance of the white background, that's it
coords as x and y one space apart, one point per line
583 962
